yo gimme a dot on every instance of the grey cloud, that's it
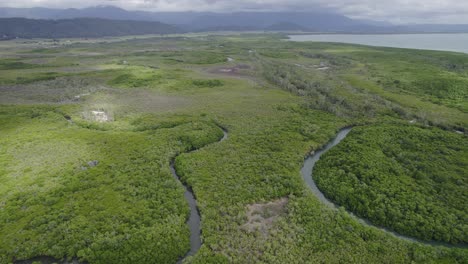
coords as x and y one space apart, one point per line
397 11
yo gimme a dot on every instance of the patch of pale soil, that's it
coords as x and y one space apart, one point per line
81 95
100 116
261 217
232 71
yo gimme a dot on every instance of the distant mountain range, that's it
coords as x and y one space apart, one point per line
196 21
238 21
106 12
287 26
79 27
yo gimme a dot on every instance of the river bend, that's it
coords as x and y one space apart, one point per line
307 175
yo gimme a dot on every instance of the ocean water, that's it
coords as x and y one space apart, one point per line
443 42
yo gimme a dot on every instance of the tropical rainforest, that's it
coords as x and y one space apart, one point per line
89 128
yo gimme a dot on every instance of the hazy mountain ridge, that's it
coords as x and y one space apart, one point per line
79 27
261 20
197 21
236 21
287 26
106 12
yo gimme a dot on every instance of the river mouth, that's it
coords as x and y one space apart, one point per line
307 175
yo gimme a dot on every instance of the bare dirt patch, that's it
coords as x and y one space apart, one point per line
100 116
238 70
261 217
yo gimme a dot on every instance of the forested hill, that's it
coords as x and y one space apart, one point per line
79 27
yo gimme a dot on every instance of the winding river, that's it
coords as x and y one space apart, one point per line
194 219
307 175
193 222
306 171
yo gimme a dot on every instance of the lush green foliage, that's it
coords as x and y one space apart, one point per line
425 85
207 83
163 96
409 178
126 209
25 79
193 57
325 93
133 81
14 65
435 77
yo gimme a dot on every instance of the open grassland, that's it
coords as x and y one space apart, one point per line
73 187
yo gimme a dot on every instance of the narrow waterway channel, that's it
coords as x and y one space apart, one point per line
194 219
193 222
307 175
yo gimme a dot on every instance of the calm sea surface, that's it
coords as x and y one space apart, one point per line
446 42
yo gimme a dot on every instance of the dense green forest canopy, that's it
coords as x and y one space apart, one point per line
100 189
409 178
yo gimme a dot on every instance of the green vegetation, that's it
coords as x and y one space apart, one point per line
325 92
12 79
86 144
437 78
409 178
207 83
133 81
194 57
14 65
127 208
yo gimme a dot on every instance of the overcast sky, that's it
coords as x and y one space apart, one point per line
396 11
